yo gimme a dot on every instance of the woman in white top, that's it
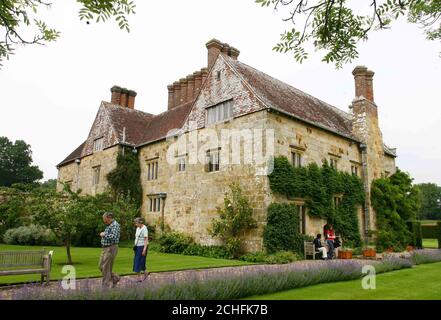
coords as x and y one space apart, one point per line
140 249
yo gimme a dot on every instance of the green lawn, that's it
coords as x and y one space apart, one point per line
430 243
421 283
86 262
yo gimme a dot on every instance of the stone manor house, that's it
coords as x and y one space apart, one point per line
228 94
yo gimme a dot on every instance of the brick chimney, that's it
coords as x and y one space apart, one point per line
124 97
363 83
131 101
176 93
214 48
116 95
171 96
190 88
197 82
204 72
184 85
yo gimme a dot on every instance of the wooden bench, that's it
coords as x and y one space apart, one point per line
26 262
309 249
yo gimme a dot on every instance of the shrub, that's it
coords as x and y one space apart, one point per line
282 231
255 257
30 235
282 257
174 242
235 219
217 252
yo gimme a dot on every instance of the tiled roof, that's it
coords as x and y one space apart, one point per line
280 96
134 121
74 155
390 151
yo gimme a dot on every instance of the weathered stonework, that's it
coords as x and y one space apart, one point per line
300 123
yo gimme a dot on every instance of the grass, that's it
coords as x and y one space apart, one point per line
420 283
86 262
430 243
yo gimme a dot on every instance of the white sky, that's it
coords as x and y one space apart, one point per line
50 95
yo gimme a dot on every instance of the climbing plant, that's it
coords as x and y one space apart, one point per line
395 201
125 179
318 186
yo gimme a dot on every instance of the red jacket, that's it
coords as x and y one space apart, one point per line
330 234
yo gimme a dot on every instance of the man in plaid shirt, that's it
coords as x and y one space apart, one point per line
109 242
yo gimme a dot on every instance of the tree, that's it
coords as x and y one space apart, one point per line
336 28
235 218
396 202
430 194
50 184
15 163
20 17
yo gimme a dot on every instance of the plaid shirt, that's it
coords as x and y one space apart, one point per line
111 234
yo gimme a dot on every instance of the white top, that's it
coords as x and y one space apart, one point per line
141 235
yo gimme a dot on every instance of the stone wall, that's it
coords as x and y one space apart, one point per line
80 176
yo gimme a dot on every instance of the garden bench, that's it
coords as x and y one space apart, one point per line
309 249
26 262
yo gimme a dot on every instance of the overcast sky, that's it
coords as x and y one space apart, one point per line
50 95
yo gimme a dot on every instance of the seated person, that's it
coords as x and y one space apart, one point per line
319 247
337 244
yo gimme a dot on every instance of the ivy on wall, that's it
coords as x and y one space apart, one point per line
318 186
125 179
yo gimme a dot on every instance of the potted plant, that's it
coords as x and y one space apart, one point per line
369 252
345 253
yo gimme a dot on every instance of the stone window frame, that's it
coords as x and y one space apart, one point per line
154 204
96 175
297 156
98 144
301 204
334 160
211 166
336 200
355 168
220 115
152 168
181 167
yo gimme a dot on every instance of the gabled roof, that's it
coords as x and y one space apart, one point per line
282 97
74 155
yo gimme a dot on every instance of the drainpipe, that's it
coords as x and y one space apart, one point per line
363 148
78 162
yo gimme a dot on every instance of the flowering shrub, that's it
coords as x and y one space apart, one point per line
30 235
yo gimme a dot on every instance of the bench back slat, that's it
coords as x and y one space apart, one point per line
21 258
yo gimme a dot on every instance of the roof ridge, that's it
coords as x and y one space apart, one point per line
106 103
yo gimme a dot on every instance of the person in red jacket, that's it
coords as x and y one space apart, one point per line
330 238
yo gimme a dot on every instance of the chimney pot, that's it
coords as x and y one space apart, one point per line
363 82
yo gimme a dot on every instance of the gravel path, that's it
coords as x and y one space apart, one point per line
156 278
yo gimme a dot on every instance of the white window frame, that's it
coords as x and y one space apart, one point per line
98 144
220 112
154 204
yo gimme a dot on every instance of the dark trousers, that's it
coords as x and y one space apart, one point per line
330 248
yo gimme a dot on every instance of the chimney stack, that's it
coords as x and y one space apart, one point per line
116 95
171 96
176 93
214 49
197 82
363 83
183 82
131 102
190 88
123 97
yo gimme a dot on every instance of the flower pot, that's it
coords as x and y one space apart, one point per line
369 253
345 254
